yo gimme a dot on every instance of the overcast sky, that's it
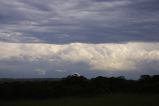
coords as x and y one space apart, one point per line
55 38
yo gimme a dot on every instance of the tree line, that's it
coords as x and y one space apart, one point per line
75 85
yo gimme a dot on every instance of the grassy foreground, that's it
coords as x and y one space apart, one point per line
108 100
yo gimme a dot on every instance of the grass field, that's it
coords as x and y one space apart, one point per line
108 100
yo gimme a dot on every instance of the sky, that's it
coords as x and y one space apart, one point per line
56 38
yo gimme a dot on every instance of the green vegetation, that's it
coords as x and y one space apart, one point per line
107 100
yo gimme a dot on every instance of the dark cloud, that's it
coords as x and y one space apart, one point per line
91 21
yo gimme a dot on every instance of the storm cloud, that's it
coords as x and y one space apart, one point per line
55 38
86 21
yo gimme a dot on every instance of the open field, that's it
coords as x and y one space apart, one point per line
108 100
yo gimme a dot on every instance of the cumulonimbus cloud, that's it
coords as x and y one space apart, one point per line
105 57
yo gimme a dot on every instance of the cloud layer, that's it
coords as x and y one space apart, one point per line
91 21
79 57
108 32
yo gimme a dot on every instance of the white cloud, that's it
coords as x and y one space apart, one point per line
105 57
41 71
62 71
